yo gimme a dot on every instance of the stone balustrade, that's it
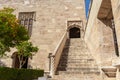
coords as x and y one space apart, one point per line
55 56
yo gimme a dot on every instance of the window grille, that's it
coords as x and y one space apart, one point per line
26 19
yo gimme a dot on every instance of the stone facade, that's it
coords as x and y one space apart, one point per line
49 25
55 17
102 35
99 35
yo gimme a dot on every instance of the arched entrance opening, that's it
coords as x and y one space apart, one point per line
74 32
16 62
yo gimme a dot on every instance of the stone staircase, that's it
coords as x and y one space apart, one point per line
76 63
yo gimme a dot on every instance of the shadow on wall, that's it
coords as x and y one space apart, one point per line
2 64
64 57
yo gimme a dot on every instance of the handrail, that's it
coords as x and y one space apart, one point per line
63 37
55 56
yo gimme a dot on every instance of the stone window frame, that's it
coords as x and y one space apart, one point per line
26 19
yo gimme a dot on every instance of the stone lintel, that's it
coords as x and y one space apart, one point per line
109 71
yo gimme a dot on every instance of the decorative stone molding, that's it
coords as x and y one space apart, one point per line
77 24
74 23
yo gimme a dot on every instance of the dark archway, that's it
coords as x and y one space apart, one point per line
26 62
16 63
74 32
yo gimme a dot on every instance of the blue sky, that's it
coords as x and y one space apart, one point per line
87 2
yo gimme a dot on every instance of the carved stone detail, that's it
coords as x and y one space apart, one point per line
75 23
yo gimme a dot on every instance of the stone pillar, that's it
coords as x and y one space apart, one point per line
51 64
118 74
101 74
52 67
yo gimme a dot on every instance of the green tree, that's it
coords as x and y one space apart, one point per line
25 50
11 33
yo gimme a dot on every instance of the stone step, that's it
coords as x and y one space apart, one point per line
77 54
73 51
77 64
77 76
75 57
65 67
71 43
76 60
76 68
79 73
84 69
75 47
75 42
42 78
52 79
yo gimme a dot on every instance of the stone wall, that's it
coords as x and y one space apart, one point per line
50 24
91 34
99 36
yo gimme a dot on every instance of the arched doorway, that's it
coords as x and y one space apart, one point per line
74 32
16 62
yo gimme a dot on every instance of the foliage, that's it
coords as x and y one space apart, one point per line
2 50
19 74
25 50
11 33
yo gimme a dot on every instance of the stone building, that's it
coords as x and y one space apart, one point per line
71 47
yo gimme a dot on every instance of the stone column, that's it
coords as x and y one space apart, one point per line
52 66
118 74
101 74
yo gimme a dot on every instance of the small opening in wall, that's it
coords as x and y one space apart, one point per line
16 62
74 32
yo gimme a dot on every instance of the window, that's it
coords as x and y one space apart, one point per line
26 19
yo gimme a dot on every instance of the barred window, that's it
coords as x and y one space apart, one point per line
26 19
